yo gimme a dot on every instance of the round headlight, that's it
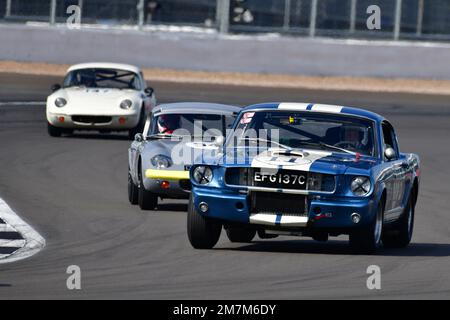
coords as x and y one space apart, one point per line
202 175
161 162
126 104
60 102
360 186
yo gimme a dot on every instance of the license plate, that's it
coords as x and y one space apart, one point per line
280 179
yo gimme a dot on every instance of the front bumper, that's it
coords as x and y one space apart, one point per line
322 212
93 122
168 183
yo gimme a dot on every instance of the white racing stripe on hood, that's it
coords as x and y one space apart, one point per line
272 159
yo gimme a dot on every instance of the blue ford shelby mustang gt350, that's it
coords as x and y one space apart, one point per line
310 170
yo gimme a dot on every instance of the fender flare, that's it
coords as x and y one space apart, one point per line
380 192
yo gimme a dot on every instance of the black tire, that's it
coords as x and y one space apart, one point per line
203 232
239 234
400 234
367 240
146 199
54 131
140 126
133 191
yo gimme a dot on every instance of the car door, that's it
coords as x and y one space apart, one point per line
133 155
394 174
404 176
136 150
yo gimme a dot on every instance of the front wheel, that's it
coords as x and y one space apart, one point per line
54 131
203 232
140 126
367 240
146 199
239 234
133 191
400 235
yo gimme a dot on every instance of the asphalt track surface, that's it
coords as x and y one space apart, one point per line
73 192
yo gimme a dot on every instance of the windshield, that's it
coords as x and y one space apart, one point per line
298 130
103 78
198 125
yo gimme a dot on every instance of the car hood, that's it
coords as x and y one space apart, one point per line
301 160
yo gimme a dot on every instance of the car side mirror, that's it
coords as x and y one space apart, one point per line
149 91
55 87
218 142
139 137
390 154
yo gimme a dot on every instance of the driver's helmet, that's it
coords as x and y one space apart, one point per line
168 123
353 134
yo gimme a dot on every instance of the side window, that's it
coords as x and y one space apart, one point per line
148 126
389 138
136 83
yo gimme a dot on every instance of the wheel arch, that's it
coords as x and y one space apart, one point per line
383 198
381 193
415 191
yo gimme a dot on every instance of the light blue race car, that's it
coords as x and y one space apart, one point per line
309 170
159 159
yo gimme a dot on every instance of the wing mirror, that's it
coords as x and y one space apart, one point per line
55 87
139 137
149 91
390 154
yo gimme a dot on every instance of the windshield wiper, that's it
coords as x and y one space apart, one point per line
329 146
158 136
165 136
337 148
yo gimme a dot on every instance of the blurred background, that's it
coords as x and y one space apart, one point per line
400 19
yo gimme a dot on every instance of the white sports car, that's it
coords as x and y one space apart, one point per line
100 96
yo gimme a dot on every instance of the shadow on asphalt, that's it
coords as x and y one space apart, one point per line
98 136
177 207
342 248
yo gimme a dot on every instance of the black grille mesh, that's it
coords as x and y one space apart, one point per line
92 119
278 203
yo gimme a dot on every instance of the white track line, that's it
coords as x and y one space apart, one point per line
7 228
33 242
22 103
12 243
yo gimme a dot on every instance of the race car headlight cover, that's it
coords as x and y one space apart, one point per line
202 175
360 186
161 161
60 102
126 104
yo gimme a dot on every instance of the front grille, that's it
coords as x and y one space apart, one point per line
278 203
91 119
